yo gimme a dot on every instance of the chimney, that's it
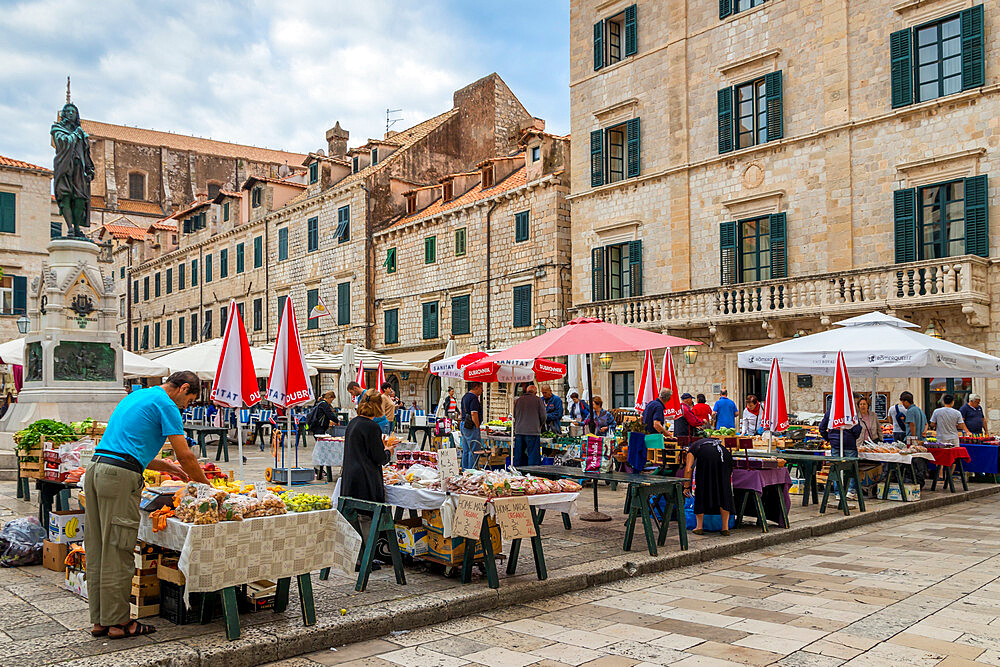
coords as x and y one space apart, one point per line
336 140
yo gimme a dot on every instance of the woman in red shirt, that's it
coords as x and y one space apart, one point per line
703 409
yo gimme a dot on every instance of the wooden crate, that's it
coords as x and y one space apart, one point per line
143 610
32 469
146 586
146 561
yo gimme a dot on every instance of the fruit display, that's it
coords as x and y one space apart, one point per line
406 458
43 430
305 502
720 432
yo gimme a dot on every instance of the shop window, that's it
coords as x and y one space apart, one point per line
615 38
622 389
616 271
936 388
753 249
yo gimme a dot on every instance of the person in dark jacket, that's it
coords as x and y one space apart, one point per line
832 435
709 465
365 452
553 409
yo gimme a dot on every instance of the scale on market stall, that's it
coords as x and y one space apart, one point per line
153 498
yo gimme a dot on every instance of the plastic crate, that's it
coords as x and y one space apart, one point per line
173 609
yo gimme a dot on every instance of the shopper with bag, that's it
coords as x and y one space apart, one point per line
472 420
529 420
709 465
603 422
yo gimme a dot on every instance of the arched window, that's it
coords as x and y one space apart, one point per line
137 185
213 190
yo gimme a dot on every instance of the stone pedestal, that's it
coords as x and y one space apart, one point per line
72 353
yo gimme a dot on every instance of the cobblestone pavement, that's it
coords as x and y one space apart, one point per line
910 591
761 605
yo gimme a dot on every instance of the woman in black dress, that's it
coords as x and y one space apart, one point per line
365 452
713 477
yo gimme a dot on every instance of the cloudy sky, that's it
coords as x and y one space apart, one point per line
268 72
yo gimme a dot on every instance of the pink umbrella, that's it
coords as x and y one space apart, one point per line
775 413
673 409
843 412
288 384
586 335
380 377
648 388
235 382
487 370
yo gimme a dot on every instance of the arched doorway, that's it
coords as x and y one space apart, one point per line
393 381
433 394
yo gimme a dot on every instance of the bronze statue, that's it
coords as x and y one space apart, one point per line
74 170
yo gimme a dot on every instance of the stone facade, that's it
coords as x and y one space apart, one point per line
842 152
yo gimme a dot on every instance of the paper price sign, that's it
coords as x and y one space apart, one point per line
260 488
468 517
514 517
448 465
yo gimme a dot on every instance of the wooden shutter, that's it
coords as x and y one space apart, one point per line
632 147
772 92
344 303
631 32
240 258
973 61
20 295
977 229
904 206
430 320
596 158
598 45
180 275
725 8
521 226
312 299
258 252
145 337
187 226
900 55
635 268
597 274
8 210
170 280
522 306
460 315
727 252
281 307
726 120
392 326
779 253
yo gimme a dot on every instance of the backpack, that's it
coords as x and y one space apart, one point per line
315 418
900 417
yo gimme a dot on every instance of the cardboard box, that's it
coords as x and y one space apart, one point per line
66 526
432 521
870 474
452 550
54 556
911 492
76 581
412 537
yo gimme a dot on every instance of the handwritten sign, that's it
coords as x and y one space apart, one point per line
514 517
468 517
448 465
260 488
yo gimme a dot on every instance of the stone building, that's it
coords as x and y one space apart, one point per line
480 257
749 170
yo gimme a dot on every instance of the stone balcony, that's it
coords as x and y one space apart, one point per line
960 282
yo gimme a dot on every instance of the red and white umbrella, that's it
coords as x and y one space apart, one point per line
668 380
775 416
235 382
453 367
380 377
360 378
648 388
289 384
527 370
843 412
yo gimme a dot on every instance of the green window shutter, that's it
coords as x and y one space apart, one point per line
973 60
241 264
977 228
904 206
258 252
180 329
598 45
725 120
460 239
725 8
522 306
343 224
635 268
772 88
170 281
779 253
20 295
312 300
430 320
156 334
901 76
224 262
225 212
283 243
430 250
313 172
156 284
208 268
180 275
344 303
170 333
194 272
596 158
281 307
392 326
145 337
727 252
521 226
597 274
390 260
8 207
460 315
631 31
632 162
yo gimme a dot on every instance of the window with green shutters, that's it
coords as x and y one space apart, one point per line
522 306
206 327
194 327
750 113
460 238
240 258
194 272
180 329
312 234
312 300
430 250
343 233
281 307
135 339
753 249
170 280
156 334
730 7
615 153
145 288
391 326
135 291
8 211
343 303
15 302
314 172
258 314
390 260
616 271
460 315
616 38
521 220
224 263
282 244
940 58
258 252
942 220
145 337
180 275
208 268
170 333
430 320
156 284
225 212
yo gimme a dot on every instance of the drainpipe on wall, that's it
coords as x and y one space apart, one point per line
489 274
128 300
369 273
267 282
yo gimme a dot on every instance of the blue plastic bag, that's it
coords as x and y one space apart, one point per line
711 522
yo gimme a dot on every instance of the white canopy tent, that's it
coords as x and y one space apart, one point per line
203 359
134 366
331 362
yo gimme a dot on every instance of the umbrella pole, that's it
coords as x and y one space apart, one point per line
841 442
288 463
596 515
239 440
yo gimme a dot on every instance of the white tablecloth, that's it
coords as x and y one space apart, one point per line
230 553
328 452
895 458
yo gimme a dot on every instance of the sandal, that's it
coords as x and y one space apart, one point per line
698 531
98 633
137 629
724 532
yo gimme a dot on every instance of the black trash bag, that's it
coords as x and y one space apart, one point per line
21 542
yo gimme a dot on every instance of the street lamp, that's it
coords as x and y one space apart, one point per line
605 360
932 331
23 324
690 354
539 328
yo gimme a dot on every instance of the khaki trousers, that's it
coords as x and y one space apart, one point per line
109 536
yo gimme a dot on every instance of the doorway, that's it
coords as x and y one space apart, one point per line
936 388
433 393
754 382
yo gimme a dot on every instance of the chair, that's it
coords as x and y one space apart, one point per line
244 416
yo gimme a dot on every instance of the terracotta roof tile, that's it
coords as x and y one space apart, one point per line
135 206
163 225
96 201
192 207
267 179
512 182
137 135
20 164
125 231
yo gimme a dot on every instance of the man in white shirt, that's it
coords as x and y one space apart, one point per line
947 421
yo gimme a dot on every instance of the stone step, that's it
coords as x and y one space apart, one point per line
8 467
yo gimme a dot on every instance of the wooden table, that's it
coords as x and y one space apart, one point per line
201 432
640 489
842 470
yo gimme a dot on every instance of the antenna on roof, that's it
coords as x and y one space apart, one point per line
389 120
67 89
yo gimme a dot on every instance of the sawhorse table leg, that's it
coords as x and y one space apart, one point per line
230 612
489 558
224 448
536 548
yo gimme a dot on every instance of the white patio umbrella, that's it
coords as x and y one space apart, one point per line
134 366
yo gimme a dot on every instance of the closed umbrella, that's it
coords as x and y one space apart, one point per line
673 408
843 412
647 384
235 381
379 377
360 377
775 411
288 384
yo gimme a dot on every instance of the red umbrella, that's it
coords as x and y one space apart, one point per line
648 388
586 335
673 409
775 413
235 380
288 384
379 377
843 412
487 370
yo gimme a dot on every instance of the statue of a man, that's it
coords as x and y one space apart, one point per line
74 170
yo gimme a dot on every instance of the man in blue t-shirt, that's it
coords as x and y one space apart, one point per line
972 415
138 427
724 411
469 432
